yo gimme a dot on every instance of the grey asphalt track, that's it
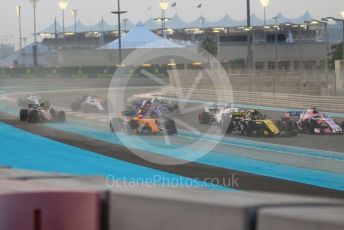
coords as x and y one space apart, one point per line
192 170
321 142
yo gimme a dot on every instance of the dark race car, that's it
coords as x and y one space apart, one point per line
41 113
167 108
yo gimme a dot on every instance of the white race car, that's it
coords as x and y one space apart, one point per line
31 99
89 104
41 113
215 113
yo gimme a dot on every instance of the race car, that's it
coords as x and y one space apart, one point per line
314 122
254 123
31 99
41 113
89 104
136 123
215 113
165 107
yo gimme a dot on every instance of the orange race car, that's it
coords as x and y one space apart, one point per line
136 123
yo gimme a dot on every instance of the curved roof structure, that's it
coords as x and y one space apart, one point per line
102 25
51 29
151 24
225 21
141 37
80 27
177 23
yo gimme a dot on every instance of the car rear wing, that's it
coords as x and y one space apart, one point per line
32 106
293 114
128 113
239 115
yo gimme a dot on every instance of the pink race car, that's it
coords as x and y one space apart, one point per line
314 122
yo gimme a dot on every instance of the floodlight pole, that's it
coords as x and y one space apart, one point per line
63 4
264 16
34 47
63 22
265 4
249 41
119 12
162 23
248 13
276 55
20 27
75 15
343 38
34 22
163 7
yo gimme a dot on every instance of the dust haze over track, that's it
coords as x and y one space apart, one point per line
64 97
249 181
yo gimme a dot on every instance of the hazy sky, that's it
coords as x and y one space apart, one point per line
92 11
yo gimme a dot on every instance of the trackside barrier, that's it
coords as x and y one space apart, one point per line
153 207
324 103
4 167
7 173
77 72
301 218
27 206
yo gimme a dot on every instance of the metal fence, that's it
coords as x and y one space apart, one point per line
325 103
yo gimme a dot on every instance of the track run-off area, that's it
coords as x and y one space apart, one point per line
305 164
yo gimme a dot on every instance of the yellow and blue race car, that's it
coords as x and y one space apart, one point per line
254 123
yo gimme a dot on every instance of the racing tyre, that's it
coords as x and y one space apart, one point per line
61 117
226 125
309 126
33 116
115 124
53 113
105 106
342 126
170 127
289 128
24 115
112 127
248 128
75 106
262 131
286 127
204 118
133 124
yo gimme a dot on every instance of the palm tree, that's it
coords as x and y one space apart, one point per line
209 45
335 54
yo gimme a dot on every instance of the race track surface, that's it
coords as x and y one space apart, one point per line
306 164
321 142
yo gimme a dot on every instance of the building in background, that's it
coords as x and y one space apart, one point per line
6 49
298 46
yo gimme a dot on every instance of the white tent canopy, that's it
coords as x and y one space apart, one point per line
141 37
177 23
